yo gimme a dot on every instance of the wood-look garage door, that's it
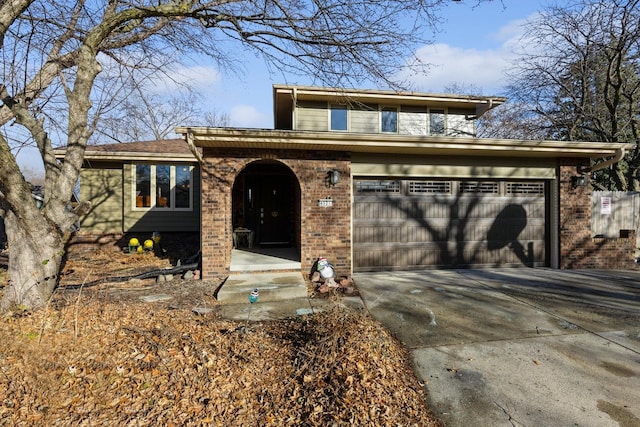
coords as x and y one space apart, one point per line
411 224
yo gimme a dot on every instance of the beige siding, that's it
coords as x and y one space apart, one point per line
160 220
102 186
412 121
458 125
364 120
458 167
312 116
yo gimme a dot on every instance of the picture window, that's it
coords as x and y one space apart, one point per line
163 187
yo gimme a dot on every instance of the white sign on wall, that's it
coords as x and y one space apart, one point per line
325 203
605 205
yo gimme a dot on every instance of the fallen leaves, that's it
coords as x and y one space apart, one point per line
135 366
102 357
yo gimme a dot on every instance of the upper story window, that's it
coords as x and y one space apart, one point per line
338 117
389 119
163 186
436 122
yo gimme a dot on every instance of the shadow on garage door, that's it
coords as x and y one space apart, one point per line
416 224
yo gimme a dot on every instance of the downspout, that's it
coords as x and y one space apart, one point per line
481 111
192 146
598 166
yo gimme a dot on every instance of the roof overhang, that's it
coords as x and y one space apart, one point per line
129 156
396 144
386 96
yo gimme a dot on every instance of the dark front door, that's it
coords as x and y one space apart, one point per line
273 197
265 200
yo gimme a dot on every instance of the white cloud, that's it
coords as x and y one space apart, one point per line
483 68
200 78
509 32
450 64
246 116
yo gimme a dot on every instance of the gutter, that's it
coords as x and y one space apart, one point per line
620 152
491 104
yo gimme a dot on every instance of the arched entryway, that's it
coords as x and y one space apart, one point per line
266 215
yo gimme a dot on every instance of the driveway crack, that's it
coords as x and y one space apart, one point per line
512 420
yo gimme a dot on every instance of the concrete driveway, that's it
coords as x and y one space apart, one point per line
518 347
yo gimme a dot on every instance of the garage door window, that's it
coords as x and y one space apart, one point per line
479 187
378 186
534 188
424 187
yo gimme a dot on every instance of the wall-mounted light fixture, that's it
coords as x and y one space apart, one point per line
333 177
579 181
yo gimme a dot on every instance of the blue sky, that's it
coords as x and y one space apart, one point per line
474 46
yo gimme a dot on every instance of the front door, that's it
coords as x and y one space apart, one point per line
273 197
264 201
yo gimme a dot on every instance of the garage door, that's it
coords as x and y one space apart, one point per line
411 224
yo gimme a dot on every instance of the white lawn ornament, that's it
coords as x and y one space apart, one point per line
326 272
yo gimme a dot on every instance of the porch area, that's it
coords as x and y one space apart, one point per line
264 259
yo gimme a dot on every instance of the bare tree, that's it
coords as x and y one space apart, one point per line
511 120
145 115
580 75
53 52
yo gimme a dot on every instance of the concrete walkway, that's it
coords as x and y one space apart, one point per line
518 347
282 294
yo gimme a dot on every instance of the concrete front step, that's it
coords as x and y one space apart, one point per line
273 286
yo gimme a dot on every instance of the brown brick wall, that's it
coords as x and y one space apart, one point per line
82 243
322 231
578 249
176 245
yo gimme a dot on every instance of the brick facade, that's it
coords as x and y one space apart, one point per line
326 231
578 249
320 231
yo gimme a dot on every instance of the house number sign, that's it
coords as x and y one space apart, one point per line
325 203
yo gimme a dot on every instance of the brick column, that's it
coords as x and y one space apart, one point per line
325 231
575 215
216 227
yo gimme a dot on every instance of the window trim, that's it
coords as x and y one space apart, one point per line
153 190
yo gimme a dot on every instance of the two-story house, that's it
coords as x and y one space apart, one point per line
377 180
372 180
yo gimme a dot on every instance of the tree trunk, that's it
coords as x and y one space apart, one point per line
35 257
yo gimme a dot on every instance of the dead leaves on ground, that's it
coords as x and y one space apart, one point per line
130 365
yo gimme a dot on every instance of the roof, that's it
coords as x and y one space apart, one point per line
374 95
396 144
165 149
